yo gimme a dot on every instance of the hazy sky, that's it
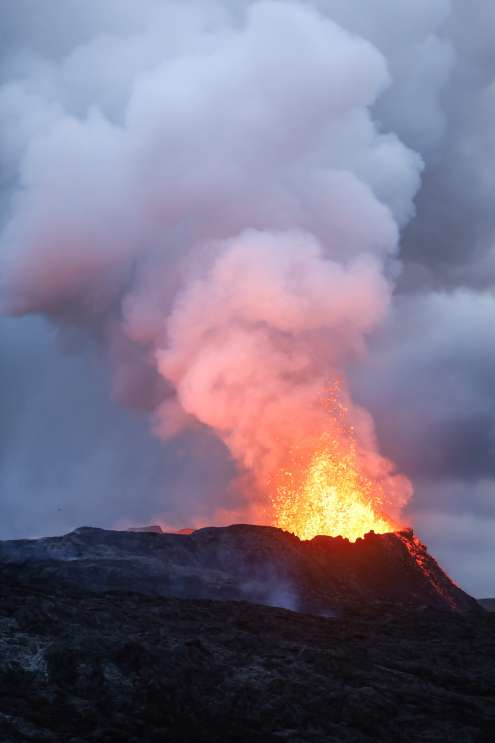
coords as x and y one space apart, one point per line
161 164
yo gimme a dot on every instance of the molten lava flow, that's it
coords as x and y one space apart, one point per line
326 489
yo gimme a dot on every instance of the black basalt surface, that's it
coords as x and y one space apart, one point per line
80 667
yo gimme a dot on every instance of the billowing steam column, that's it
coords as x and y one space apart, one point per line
228 231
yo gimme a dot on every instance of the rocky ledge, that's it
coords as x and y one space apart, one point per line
324 576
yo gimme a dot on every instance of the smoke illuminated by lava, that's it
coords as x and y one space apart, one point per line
250 347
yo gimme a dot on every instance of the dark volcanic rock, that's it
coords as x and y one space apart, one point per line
80 667
152 529
255 563
92 651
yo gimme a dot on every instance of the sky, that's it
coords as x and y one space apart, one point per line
208 211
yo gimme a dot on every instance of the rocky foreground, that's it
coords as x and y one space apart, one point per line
85 663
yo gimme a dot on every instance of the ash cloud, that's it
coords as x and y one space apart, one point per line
335 155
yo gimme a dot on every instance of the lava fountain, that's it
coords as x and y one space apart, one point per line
326 488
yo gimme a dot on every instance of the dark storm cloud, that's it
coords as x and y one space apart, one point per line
82 82
430 384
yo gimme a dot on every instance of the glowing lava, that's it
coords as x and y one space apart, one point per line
326 489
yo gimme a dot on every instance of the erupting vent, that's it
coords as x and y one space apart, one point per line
331 488
331 498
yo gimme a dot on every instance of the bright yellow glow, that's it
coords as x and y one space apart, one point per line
325 489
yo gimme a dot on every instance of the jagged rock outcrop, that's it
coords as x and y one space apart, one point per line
150 529
256 563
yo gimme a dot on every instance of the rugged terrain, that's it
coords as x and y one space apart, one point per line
111 667
257 563
83 663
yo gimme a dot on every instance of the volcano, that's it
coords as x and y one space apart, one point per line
261 564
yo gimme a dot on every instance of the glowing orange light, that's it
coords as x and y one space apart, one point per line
326 491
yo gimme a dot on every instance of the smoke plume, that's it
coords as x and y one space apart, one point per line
239 204
238 224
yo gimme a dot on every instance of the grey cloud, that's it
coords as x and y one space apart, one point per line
429 383
69 456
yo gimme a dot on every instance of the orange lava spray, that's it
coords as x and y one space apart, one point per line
326 489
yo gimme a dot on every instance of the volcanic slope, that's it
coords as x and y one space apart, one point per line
264 565
95 648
